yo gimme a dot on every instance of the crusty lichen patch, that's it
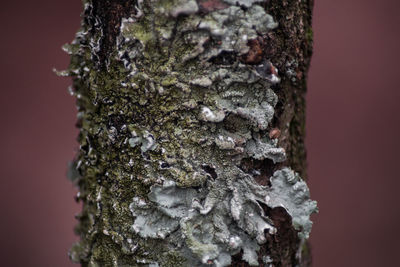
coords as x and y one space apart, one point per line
222 218
163 131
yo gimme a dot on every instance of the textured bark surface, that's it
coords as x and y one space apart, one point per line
191 117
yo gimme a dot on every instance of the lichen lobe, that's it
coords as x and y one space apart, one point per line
223 218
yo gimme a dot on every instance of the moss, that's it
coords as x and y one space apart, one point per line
142 32
172 259
169 80
309 35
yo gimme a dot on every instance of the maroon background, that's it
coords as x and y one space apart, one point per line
352 133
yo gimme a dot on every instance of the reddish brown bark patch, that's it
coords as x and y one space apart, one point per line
255 54
274 133
283 245
261 170
207 6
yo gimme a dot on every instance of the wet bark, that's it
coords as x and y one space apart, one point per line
154 106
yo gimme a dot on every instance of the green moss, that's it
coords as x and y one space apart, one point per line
309 35
141 32
169 80
172 259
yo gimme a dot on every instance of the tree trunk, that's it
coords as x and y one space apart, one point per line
191 142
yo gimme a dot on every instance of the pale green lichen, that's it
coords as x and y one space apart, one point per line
260 150
146 140
224 217
289 191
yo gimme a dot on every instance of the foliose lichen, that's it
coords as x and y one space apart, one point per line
222 218
164 128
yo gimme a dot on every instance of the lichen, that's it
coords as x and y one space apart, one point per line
146 140
289 191
164 127
223 217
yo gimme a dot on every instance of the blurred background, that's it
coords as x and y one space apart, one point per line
352 133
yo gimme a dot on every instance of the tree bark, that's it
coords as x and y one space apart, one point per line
191 141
